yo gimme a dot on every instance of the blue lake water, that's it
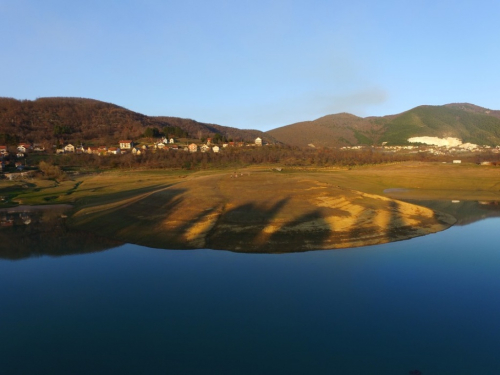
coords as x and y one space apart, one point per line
430 304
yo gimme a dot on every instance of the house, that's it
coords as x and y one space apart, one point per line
209 141
457 161
215 148
38 147
20 155
137 151
114 150
204 148
3 150
23 147
60 151
69 148
80 149
160 146
224 145
174 147
193 147
126 144
258 141
93 150
171 140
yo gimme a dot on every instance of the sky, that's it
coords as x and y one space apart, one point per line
253 64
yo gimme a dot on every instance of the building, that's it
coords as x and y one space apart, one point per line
193 147
69 148
38 147
23 147
126 144
258 141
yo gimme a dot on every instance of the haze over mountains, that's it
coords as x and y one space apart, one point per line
84 120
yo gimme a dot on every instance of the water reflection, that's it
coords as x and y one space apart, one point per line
28 231
41 230
466 212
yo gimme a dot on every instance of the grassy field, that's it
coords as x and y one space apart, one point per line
260 209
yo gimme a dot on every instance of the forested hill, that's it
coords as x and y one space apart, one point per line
468 122
53 120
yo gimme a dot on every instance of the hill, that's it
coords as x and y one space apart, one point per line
467 122
52 120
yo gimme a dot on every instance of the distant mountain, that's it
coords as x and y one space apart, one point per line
75 120
467 122
82 120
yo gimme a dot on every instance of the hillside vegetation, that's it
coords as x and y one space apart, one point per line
51 121
467 122
58 120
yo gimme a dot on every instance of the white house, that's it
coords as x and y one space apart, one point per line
69 148
23 147
193 147
215 148
126 144
38 147
258 141
204 148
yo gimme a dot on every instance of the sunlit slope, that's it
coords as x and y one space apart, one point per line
442 122
259 212
467 122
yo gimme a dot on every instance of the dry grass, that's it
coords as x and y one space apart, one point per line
266 211
260 212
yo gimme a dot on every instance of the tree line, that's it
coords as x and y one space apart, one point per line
237 157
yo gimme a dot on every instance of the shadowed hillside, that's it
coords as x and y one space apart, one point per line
464 121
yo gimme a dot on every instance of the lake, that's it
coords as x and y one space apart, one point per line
429 304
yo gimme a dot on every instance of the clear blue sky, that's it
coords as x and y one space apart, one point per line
253 64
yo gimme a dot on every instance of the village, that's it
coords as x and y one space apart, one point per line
124 146
431 149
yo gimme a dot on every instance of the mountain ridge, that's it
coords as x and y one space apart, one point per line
60 119
54 120
467 122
